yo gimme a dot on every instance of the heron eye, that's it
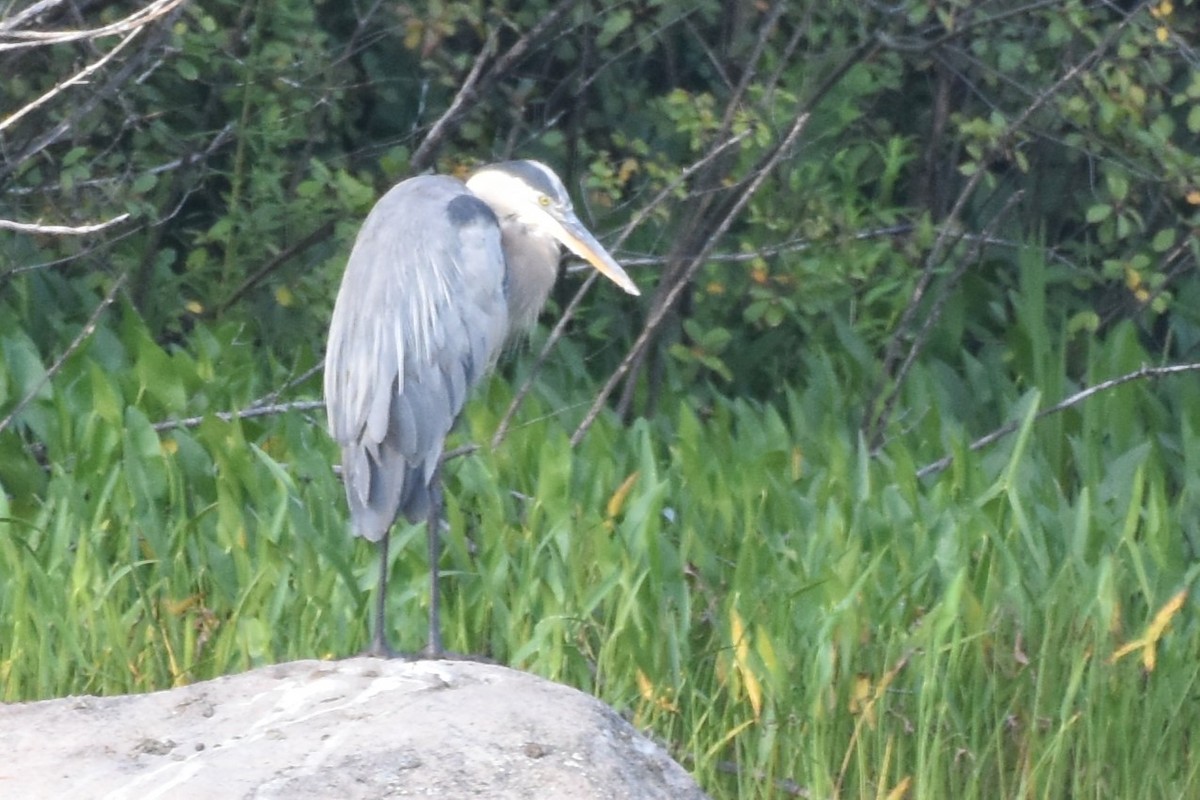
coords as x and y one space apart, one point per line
543 201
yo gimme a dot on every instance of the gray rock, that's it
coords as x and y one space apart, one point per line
359 728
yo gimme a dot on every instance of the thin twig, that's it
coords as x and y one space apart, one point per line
61 230
274 395
78 78
765 167
800 245
134 22
244 413
660 313
874 417
568 313
85 332
1074 400
478 81
465 94
87 101
19 18
263 407
935 314
318 235
712 194
224 135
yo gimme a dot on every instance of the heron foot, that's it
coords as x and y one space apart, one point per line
384 650
381 649
438 654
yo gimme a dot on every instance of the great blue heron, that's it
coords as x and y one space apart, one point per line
440 275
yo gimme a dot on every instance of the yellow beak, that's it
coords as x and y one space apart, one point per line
579 241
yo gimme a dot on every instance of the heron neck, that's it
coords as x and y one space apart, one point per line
531 260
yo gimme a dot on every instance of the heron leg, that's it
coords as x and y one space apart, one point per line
433 649
379 642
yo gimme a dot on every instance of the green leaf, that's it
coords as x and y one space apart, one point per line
1118 185
144 183
1193 118
614 23
73 155
106 402
1163 240
24 365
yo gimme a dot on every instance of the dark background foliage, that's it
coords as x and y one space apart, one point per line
246 140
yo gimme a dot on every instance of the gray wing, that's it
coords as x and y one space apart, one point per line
419 318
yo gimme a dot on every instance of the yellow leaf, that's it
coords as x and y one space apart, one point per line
193 307
860 695
1133 278
413 33
1161 33
177 607
737 631
628 167
741 650
766 652
169 446
901 788
284 296
753 692
866 695
1163 618
1148 644
645 687
1193 197
660 699
1125 650
1150 657
617 501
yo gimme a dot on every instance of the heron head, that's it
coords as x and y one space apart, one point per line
530 192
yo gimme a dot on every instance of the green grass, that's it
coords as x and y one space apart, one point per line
786 613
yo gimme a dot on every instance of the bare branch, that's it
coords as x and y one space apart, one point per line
77 78
263 407
1071 401
222 137
656 319
903 229
875 417
319 235
466 94
935 313
133 22
84 106
478 82
60 230
759 176
245 413
19 18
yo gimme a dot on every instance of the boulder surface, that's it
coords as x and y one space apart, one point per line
358 728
